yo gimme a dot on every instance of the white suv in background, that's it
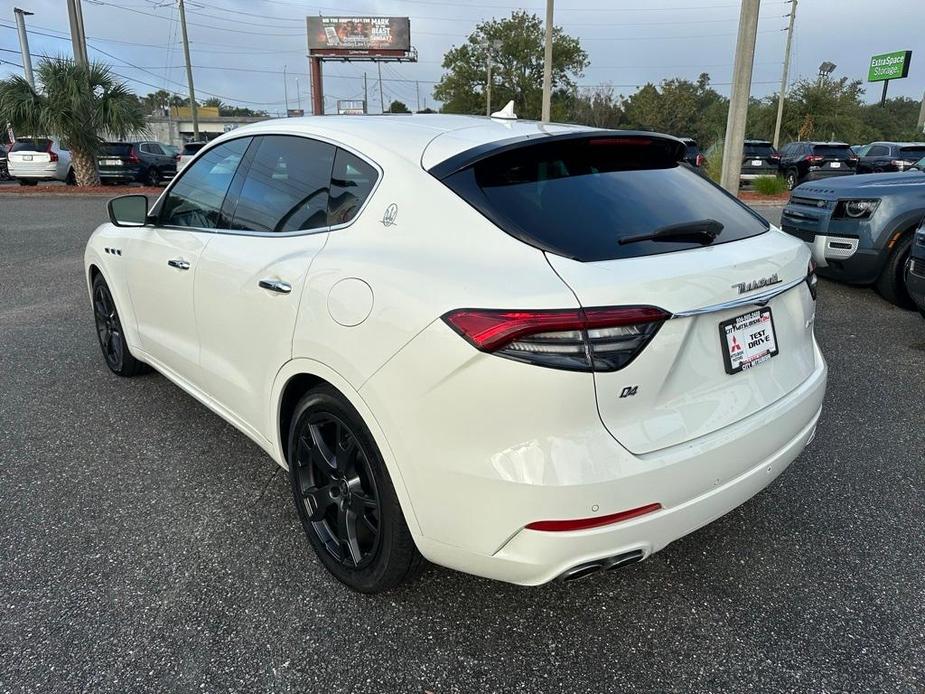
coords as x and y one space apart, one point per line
521 350
34 159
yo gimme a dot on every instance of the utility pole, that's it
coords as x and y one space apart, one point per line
922 115
189 73
738 98
285 91
78 38
24 44
547 63
783 79
417 91
365 95
298 94
381 97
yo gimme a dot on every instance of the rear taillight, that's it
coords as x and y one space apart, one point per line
700 160
594 522
901 163
52 156
814 158
592 339
133 157
811 279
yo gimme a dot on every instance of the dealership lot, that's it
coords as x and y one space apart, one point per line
144 543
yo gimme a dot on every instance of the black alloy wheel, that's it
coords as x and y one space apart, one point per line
793 179
109 331
152 178
344 496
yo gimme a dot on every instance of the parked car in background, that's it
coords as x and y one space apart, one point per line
34 159
879 157
692 154
859 149
860 228
187 153
351 308
172 150
145 162
812 161
915 270
4 172
759 158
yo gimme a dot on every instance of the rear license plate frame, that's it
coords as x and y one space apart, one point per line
734 328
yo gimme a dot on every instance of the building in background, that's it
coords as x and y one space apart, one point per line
175 126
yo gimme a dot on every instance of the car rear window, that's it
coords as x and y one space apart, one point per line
758 150
833 151
29 144
912 152
115 149
193 148
578 197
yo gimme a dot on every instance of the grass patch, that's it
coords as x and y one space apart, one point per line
769 185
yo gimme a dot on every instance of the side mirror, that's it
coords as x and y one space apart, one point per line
129 211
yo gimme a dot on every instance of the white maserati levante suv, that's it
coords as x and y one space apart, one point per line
523 351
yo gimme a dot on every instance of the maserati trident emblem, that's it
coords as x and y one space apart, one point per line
744 287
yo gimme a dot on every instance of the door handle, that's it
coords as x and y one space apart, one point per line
275 286
179 263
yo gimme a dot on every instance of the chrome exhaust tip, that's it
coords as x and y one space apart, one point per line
593 567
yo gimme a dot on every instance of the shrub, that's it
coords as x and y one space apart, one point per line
769 185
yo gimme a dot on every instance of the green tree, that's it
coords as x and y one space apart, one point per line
80 105
156 102
599 106
679 107
517 68
214 102
398 107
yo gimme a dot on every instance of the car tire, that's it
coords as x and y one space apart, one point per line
792 178
27 182
109 332
152 179
345 498
71 178
891 284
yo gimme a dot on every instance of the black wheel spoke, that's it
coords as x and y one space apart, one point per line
322 501
320 446
347 534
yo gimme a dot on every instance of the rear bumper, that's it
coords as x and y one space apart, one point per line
696 483
820 175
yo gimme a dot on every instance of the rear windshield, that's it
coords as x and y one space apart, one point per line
693 149
193 148
578 198
29 144
833 151
758 150
916 152
115 149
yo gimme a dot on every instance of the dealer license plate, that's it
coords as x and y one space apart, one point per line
112 162
748 340
27 157
757 162
835 164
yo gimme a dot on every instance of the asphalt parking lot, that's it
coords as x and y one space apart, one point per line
147 545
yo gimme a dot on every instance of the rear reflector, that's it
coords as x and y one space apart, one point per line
596 522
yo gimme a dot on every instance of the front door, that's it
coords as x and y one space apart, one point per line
163 260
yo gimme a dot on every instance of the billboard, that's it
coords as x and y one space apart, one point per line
362 34
351 107
889 66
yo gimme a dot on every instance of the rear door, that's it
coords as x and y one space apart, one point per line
112 158
31 156
834 157
163 259
251 276
593 206
760 159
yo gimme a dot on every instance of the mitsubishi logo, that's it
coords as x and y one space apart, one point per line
744 287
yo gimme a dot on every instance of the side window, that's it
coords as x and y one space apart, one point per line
878 151
196 199
146 148
286 185
155 148
352 180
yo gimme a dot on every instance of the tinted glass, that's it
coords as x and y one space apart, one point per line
692 150
28 144
286 185
115 149
877 151
912 153
352 180
196 199
155 148
193 148
577 198
833 151
758 150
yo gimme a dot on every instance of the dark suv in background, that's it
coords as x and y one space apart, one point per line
145 162
693 155
811 161
759 158
878 157
915 270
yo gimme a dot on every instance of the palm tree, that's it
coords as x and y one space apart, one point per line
81 105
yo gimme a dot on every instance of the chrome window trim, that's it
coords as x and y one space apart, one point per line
760 299
275 234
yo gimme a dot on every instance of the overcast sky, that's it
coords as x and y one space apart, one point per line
239 47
